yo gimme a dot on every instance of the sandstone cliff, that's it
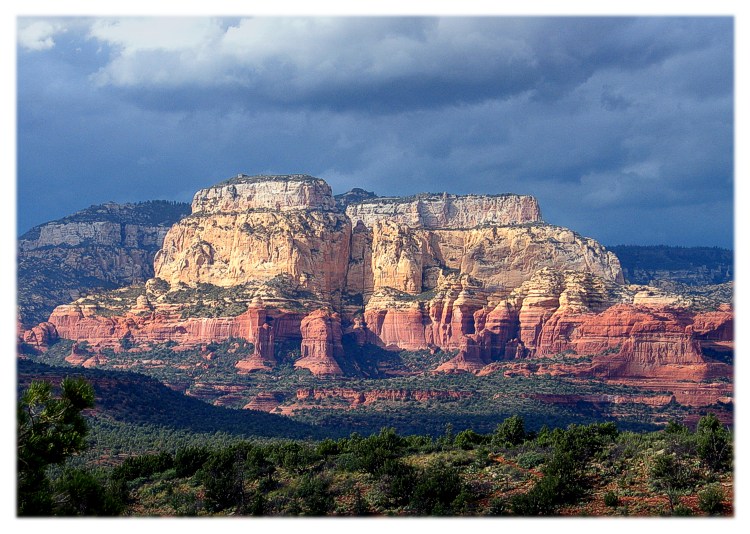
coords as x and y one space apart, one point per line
446 211
101 247
256 228
273 259
579 313
265 192
321 343
500 257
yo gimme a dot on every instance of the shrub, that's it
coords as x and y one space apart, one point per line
673 427
437 491
189 460
468 439
672 476
292 456
223 479
327 447
314 493
257 503
370 454
396 481
360 506
542 499
258 467
669 472
682 511
510 432
81 493
143 466
420 443
611 499
682 444
714 444
184 504
564 479
583 442
530 459
711 500
499 506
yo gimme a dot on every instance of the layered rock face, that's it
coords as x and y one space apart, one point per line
104 233
409 259
459 315
272 259
41 336
355 397
446 211
505 257
266 192
443 321
163 326
101 247
321 343
265 401
578 313
256 228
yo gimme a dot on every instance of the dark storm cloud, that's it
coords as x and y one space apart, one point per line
387 64
616 124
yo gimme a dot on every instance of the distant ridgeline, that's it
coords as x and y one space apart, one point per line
684 265
101 247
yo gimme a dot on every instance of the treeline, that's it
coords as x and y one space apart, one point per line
509 471
149 212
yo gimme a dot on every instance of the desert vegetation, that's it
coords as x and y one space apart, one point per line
593 469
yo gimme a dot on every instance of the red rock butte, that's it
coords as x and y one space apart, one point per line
275 260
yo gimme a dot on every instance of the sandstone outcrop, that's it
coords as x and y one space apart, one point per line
321 343
265 401
571 312
274 260
103 233
265 192
257 228
446 211
685 392
360 281
259 326
354 397
395 320
651 400
501 257
102 247
41 336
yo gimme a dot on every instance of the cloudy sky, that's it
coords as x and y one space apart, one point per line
622 127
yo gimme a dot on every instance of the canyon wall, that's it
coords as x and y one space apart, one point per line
446 211
274 259
250 228
102 247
